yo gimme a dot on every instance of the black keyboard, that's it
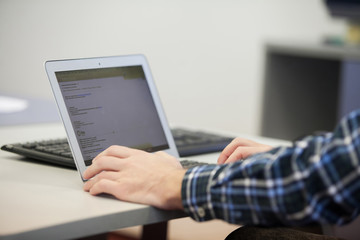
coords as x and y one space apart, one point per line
57 151
190 142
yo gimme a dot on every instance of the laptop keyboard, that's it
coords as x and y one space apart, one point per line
57 151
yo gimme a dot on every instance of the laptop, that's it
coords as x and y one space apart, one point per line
108 101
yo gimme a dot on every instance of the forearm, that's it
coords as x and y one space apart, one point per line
316 180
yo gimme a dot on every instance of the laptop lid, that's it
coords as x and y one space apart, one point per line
109 101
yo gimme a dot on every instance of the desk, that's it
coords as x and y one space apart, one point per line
39 201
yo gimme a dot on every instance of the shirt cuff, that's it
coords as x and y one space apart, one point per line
195 192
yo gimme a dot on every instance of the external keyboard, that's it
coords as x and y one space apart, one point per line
57 151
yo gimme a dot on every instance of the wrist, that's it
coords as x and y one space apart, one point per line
172 194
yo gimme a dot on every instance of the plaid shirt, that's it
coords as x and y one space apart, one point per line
315 180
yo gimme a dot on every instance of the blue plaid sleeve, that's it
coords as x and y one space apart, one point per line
315 180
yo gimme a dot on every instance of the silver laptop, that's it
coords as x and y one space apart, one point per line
109 101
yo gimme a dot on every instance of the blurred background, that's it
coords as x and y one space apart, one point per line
206 56
235 65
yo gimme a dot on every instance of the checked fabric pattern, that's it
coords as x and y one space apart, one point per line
315 180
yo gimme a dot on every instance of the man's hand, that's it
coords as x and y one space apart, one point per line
241 148
137 176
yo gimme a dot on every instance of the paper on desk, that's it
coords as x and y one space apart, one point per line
11 104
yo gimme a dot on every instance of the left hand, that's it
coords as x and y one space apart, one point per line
137 176
241 148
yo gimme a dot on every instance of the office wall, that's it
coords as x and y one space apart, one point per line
205 55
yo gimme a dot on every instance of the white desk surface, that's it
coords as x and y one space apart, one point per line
39 201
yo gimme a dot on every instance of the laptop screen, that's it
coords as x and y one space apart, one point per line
111 106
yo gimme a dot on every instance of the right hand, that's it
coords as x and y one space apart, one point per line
241 148
136 176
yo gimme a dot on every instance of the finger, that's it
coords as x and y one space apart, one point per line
117 151
103 163
229 149
103 175
243 152
237 142
237 155
105 186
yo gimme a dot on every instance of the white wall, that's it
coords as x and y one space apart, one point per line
205 55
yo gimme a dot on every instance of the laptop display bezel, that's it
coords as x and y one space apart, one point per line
54 66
